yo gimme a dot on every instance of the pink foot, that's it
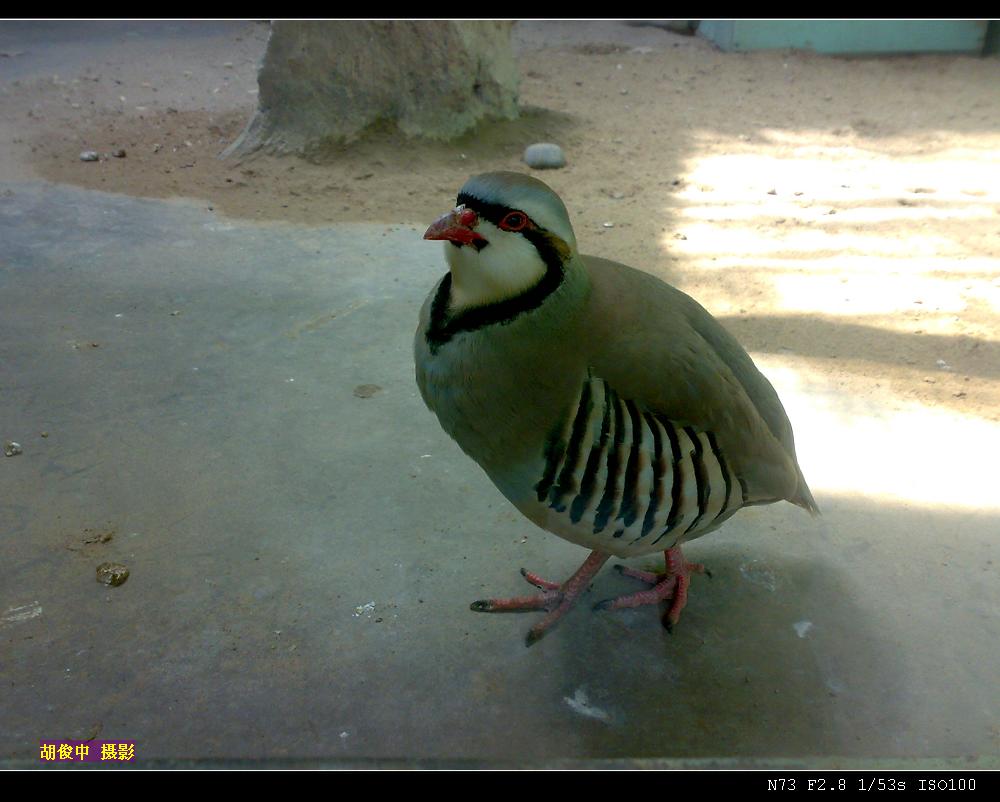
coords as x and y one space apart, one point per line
556 599
672 584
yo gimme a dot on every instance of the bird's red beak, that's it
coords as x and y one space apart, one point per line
456 226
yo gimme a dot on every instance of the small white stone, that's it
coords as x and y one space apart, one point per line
608 224
89 156
11 449
544 156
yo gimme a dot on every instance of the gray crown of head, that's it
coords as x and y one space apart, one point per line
527 194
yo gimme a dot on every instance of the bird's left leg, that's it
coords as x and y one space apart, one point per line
672 584
555 598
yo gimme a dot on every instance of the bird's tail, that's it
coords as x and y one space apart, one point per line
804 498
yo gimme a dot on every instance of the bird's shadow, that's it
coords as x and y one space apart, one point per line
769 658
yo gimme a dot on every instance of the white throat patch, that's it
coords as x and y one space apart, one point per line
506 267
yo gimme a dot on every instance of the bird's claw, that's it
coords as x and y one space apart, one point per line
534 635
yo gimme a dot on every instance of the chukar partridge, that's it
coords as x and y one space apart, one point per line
609 407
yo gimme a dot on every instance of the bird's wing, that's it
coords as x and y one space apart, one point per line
659 347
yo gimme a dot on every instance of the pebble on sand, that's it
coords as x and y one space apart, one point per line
89 156
113 574
544 156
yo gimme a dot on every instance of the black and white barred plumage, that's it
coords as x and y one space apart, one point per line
617 472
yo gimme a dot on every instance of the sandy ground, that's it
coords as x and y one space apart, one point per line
838 213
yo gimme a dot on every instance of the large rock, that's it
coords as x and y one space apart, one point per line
323 83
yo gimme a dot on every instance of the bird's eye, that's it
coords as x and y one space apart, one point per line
514 221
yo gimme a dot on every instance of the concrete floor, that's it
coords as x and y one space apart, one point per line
302 558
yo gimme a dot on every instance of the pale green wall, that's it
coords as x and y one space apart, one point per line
849 36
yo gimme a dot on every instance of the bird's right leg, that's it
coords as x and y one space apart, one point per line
555 598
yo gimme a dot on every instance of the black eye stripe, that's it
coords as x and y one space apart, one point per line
551 247
491 212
